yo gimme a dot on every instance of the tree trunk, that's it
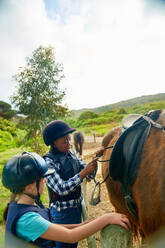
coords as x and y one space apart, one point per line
36 141
94 136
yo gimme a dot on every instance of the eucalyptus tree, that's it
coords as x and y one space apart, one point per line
38 95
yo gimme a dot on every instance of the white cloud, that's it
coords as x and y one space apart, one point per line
111 50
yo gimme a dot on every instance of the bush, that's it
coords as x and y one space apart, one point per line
10 135
6 141
121 111
88 115
9 126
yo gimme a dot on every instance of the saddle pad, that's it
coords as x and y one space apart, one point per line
126 154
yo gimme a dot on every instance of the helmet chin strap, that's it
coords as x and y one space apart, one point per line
36 197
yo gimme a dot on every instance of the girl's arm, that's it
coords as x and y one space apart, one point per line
71 226
60 233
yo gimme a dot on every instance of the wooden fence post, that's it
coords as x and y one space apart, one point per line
93 132
84 191
115 236
91 240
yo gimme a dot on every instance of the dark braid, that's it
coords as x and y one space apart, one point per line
12 198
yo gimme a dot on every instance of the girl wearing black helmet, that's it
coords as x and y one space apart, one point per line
28 220
64 185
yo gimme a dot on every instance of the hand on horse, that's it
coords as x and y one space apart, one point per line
100 152
119 219
90 167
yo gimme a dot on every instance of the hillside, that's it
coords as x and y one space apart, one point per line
126 104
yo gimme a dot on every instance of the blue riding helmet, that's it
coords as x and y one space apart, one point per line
24 169
55 130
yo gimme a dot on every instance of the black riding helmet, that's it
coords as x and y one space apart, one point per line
55 130
24 169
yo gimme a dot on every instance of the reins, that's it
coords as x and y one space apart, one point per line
95 200
108 147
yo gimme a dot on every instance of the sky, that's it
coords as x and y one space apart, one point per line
111 50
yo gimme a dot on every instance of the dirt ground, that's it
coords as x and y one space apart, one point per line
90 147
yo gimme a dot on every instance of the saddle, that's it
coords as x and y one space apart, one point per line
126 155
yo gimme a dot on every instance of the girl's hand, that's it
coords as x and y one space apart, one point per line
119 219
99 152
91 166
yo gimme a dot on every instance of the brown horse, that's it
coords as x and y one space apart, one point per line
78 139
148 189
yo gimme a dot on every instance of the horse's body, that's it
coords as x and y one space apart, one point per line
148 190
78 139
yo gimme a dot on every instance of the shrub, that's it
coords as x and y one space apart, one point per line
87 115
121 111
9 126
6 141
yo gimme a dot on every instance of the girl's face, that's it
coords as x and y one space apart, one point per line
32 188
63 144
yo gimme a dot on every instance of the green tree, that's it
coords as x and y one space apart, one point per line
38 96
6 110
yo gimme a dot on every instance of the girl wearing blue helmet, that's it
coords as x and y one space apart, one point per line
28 220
